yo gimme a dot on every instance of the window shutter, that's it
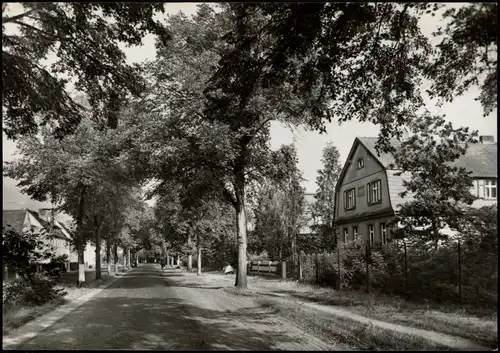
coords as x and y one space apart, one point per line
368 193
481 188
345 200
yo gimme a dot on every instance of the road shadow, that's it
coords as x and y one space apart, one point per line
155 323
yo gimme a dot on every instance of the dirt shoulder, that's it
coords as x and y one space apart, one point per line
402 323
250 324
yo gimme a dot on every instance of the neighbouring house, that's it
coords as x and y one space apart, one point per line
367 193
25 219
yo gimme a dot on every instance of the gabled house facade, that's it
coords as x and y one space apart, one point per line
367 193
25 220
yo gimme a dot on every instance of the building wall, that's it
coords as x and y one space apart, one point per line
358 179
363 230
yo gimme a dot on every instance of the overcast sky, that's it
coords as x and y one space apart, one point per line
464 111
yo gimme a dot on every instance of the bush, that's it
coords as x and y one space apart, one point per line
38 290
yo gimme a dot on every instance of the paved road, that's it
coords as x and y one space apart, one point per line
148 309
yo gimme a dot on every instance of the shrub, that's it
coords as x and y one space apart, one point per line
38 290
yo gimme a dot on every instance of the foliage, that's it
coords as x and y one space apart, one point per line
324 206
467 54
279 211
84 37
429 274
479 233
439 189
38 290
20 251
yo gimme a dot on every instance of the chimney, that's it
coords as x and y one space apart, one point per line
487 139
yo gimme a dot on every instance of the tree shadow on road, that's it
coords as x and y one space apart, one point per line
154 323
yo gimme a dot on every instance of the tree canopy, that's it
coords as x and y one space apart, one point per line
84 38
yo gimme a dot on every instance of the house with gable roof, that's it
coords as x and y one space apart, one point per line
25 220
367 193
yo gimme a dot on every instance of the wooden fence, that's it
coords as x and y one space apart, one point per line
275 268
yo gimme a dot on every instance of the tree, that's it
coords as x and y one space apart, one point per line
75 174
21 251
279 213
467 54
325 195
85 38
440 191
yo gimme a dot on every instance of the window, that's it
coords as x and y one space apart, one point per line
350 199
490 189
360 164
374 192
355 233
346 234
371 233
383 233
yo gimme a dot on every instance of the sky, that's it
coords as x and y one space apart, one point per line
463 111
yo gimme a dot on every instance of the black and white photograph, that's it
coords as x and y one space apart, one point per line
308 176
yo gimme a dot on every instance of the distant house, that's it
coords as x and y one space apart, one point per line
25 220
367 193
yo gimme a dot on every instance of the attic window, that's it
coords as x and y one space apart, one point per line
360 164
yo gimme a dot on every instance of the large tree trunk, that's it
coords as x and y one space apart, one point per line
98 274
241 273
198 245
190 256
80 243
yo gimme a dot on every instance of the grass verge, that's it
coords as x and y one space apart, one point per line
466 321
16 316
353 333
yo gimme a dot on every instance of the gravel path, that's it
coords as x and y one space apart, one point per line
148 309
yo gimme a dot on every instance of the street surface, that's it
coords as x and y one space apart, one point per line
148 309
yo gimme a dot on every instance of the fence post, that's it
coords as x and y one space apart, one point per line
300 269
269 262
283 269
405 269
367 267
339 284
258 267
459 273
317 267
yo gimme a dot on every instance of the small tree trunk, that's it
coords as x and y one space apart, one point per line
168 259
190 256
108 253
115 257
98 274
129 263
199 261
80 241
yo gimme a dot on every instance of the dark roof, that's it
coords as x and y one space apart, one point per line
14 219
55 230
480 158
